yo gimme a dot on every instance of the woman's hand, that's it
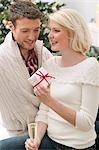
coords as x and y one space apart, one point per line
32 144
43 94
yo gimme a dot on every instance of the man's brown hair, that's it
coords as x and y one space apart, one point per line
23 9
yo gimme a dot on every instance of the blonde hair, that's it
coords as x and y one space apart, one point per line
80 38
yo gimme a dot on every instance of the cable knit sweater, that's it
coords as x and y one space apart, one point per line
18 105
76 87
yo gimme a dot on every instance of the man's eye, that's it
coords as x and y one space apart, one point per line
24 31
37 30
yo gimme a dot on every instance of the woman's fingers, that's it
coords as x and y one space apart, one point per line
32 144
29 145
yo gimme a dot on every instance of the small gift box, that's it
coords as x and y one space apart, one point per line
41 77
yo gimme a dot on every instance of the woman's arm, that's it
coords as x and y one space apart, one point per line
41 129
85 117
44 96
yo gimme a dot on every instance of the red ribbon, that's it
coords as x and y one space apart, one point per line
43 77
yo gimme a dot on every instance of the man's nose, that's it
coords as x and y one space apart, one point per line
32 35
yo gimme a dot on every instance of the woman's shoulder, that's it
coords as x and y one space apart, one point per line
90 71
91 66
92 61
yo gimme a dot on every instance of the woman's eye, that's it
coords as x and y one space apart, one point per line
56 30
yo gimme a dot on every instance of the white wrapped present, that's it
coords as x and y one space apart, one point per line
41 77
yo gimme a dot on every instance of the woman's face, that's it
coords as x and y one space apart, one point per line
58 37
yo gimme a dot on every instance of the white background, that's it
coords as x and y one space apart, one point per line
86 7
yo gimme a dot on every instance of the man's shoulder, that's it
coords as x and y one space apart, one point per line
41 49
1 48
40 45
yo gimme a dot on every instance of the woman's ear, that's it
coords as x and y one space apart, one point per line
8 24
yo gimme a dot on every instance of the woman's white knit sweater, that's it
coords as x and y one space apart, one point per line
18 105
76 87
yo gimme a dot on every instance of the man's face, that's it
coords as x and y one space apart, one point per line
26 32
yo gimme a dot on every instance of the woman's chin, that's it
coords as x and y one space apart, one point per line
54 49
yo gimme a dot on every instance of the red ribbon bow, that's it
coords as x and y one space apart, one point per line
43 77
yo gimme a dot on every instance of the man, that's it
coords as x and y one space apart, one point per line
21 54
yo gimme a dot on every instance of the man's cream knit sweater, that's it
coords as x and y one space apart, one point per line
18 105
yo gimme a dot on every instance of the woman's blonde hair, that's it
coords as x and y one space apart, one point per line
80 38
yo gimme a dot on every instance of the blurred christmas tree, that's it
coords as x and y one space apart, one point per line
45 7
3 15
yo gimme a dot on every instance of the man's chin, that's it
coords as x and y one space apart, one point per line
29 47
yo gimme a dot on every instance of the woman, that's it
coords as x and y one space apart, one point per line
68 111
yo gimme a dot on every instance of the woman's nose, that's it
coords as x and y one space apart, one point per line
50 35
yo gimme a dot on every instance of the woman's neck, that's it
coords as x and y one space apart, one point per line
71 59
